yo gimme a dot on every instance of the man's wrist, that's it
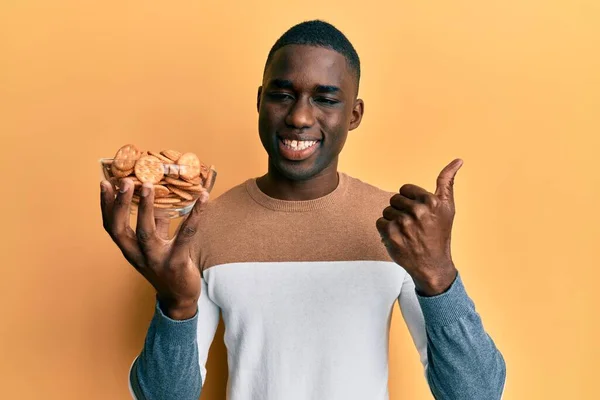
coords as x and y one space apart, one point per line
178 311
448 307
437 284
177 327
181 314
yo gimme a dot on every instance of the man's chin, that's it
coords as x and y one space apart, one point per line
296 170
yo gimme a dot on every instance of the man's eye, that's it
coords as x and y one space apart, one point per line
280 96
327 101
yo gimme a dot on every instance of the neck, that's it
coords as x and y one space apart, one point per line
277 186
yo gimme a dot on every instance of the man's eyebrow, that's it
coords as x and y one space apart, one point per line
327 89
281 84
287 84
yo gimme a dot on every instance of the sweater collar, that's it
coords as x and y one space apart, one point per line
300 205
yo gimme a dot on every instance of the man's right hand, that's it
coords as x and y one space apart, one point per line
170 265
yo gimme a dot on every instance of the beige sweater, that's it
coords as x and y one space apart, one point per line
306 291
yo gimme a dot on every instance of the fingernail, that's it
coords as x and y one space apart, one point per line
124 187
145 189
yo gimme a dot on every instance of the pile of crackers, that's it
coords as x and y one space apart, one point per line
178 178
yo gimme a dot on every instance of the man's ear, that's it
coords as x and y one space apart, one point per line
357 113
258 98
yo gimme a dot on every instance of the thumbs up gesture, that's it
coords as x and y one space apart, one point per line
416 230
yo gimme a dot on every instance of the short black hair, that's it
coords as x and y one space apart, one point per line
321 34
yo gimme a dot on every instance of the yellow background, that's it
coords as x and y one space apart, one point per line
510 86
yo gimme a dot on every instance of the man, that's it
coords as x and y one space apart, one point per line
294 260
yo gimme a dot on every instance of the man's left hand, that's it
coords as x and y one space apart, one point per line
416 230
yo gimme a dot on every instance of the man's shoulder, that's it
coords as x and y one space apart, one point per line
362 191
234 198
234 193
222 214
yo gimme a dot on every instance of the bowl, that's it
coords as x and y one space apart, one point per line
174 196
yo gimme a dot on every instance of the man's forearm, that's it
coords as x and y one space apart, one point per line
463 361
167 367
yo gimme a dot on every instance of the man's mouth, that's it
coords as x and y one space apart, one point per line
298 144
297 150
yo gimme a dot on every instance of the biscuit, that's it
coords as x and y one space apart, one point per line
195 188
161 205
119 173
181 193
161 191
196 181
173 155
178 182
149 169
189 166
167 200
185 203
160 157
126 157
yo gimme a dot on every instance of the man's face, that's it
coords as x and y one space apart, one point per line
306 106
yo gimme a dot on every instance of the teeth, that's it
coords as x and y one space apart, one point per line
299 144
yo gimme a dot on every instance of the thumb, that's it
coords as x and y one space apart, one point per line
445 181
189 227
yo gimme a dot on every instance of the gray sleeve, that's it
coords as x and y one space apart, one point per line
172 362
460 359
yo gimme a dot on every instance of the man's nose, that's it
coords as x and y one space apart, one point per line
301 114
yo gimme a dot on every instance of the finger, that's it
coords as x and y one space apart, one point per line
189 227
402 203
445 181
125 240
162 227
389 232
419 194
131 250
382 226
391 213
121 209
146 228
414 192
107 198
